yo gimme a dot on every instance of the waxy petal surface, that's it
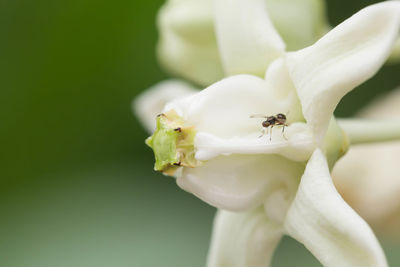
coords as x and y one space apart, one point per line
187 45
299 22
321 220
240 182
224 108
243 239
246 37
296 143
347 56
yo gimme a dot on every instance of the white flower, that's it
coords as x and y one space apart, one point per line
191 46
189 49
225 164
368 175
190 43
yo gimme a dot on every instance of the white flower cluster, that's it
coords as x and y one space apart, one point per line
279 183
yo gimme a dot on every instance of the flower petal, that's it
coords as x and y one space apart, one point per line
277 77
243 239
187 45
308 16
151 102
224 108
246 38
240 182
321 220
344 58
296 143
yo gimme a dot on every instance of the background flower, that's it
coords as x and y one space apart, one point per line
189 46
368 175
336 55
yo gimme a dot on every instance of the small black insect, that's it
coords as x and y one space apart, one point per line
270 122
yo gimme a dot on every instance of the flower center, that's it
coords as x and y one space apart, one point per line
172 143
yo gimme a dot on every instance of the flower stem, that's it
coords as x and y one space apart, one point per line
361 131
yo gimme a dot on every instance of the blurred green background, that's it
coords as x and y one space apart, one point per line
77 187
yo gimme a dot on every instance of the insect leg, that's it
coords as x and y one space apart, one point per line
262 133
283 131
270 133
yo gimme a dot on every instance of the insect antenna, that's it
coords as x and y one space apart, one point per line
258 116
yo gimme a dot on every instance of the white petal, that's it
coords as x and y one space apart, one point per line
344 58
297 143
321 220
240 182
243 240
277 77
224 108
247 40
187 45
308 16
278 203
151 102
